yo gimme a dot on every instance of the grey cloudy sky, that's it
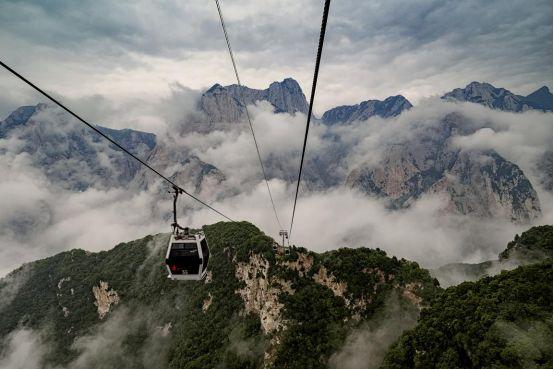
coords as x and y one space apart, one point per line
122 50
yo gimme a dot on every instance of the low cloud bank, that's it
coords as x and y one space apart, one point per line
40 219
104 347
23 349
341 217
365 347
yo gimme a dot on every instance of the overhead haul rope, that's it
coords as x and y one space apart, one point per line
173 184
246 110
314 84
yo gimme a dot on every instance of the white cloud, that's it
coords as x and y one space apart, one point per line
340 217
38 219
324 220
23 350
366 346
103 346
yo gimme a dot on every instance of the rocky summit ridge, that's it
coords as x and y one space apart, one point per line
499 98
390 107
225 104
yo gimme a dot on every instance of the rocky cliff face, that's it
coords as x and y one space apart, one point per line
544 168
480 183
225 104
502 99
390 107
76 158
70 154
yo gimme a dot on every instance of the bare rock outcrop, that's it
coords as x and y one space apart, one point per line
207 302
324 278
259 295
302 265
104 298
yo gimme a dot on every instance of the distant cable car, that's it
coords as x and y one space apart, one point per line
188 254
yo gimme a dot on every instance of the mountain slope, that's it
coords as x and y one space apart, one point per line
540 99
502 99
76 158
475 182
390 107
70 154
258 307
181 166
497 322
533 246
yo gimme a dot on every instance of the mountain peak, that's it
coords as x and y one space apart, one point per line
19 117
289 83
214 88
398 98
543 89
225 104
479 84
483 87
540 99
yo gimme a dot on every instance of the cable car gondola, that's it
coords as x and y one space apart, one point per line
187 254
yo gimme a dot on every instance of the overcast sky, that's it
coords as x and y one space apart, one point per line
119 50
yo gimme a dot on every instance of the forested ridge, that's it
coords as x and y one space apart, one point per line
263 306
503 321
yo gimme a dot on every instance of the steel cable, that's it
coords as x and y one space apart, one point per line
247 112
312 96
111 140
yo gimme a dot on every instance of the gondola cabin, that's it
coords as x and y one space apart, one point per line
187 257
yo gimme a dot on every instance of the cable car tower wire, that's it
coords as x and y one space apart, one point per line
247 113
312 96
174 185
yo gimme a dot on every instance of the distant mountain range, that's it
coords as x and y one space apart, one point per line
224 104
76 158
71 155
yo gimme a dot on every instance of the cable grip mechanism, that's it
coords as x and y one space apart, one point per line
176 227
